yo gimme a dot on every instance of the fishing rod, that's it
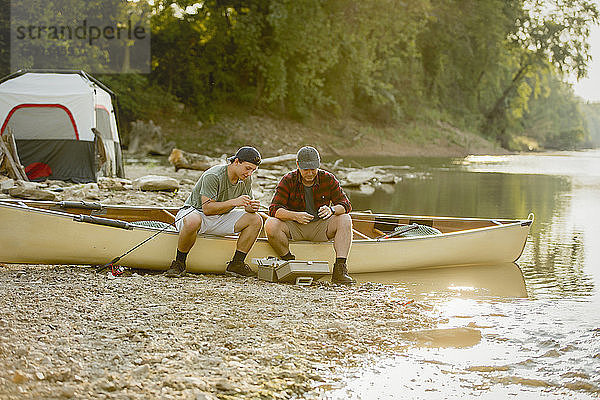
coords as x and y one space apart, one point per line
391 223
118 270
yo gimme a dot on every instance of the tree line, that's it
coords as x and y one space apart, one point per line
497 67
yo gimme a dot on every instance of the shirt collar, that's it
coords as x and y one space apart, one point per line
317 179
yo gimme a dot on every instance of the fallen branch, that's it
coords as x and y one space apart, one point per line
183 160
9 159
278 159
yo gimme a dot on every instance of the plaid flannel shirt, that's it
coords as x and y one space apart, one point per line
289 193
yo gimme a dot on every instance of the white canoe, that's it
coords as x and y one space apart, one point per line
50 233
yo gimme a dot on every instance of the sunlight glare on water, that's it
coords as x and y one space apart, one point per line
526 332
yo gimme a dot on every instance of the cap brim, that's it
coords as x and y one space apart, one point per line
308 164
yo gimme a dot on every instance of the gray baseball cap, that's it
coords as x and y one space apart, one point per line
308 158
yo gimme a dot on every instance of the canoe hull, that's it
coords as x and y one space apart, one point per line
33 236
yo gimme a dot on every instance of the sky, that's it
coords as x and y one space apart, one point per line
589 88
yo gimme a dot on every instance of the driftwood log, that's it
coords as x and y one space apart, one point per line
183 160
9 158
278 159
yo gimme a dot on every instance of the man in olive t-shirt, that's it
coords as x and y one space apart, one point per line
211 208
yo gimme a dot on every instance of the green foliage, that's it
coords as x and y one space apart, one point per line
548 34
42 23
462 46
591 112
489 65
554 117
137 98
479 62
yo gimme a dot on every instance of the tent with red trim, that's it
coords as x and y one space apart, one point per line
64 124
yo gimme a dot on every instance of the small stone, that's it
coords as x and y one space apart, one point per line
107 385
225 386
387 178
195 382
360 177
67 391
205 396
40 375
107 183
136 338
19 377
141 372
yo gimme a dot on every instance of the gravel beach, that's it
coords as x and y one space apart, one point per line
67 332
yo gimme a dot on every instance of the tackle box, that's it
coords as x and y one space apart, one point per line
294 271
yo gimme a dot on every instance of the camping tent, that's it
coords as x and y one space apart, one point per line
64 125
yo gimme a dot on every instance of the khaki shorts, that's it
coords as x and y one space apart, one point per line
220 224
315 231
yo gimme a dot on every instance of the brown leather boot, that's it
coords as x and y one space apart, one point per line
176 270
239 268
340 274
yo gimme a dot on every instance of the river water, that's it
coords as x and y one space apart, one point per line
529 331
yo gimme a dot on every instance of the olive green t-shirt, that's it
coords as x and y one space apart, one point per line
215 184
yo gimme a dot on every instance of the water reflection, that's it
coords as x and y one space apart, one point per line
544 346
560 243
462 194
503 280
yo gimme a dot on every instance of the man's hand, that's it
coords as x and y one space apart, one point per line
242 201
325 212
303 217
253 206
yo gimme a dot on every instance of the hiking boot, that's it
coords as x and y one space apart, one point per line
240 268
176 270
285 257
340 274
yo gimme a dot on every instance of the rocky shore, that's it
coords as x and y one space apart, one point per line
69 332
151 181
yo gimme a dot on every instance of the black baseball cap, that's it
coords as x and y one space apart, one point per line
246 153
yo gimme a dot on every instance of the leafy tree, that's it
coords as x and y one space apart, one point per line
553 115
490 64
548 33
62 33
591 112
461 49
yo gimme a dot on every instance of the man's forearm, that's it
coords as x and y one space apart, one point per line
218 207
285 215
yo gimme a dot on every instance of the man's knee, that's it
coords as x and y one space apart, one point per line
255 221
340 223
273 226
192 222
345 221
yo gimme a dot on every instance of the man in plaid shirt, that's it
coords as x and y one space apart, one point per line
309 204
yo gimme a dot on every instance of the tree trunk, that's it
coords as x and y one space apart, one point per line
495 119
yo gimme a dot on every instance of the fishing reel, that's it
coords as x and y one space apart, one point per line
113 267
